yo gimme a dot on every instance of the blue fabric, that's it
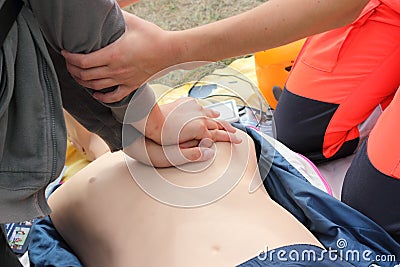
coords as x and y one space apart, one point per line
343 231
296 255
48 248
337 226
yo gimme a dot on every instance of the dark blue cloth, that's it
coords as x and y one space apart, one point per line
336 225
48 248
296 255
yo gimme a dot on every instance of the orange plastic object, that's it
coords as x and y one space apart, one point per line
273 67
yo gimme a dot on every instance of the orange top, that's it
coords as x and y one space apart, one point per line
355 66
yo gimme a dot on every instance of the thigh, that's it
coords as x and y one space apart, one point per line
301 124
372 184
373 193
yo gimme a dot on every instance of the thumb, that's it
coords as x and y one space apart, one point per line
87 61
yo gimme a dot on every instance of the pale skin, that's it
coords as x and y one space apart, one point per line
189 150
108 220
146 49
180 126
184 120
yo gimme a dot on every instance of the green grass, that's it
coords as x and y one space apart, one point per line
184 14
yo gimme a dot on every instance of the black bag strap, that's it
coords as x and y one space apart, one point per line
8 14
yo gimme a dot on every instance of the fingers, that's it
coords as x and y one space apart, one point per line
197 154
174 155
94 73
221 125
218 131
86 61
202 128
211 113
189 144
217 134
102 77
185 155
207 142
96 84
153 154
224 136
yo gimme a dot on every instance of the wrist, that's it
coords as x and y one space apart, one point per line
154 124
178 48
195 45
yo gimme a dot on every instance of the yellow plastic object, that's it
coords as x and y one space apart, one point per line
273 66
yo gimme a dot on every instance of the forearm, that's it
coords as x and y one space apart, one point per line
274 23
151 125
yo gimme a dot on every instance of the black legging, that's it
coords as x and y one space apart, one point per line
373 193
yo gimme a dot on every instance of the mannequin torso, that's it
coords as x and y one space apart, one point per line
108 220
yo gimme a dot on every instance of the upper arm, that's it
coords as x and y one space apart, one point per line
79 26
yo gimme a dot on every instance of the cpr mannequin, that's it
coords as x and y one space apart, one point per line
108 220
